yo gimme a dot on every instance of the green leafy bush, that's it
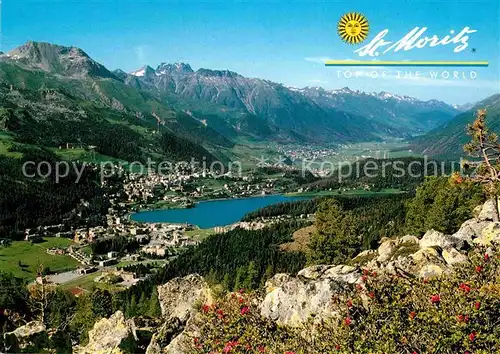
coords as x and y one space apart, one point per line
442 205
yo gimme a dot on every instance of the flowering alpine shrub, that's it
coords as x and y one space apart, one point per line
233 325
457 313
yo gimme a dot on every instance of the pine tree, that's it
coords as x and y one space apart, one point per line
132 307
101 303
154 309
226 282
267 275
143 305
240 277
252 275
484 145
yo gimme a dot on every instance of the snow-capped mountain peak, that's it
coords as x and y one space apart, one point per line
144 71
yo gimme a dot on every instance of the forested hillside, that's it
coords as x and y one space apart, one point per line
447 140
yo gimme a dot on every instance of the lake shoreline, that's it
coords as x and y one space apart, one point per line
203 216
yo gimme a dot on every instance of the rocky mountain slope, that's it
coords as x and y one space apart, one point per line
448 139
295 109
253 106
54 95
66 61
222 104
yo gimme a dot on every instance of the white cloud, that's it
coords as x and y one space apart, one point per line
317 81
141 52
319 60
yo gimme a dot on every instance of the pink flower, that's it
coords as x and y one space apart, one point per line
477 305
220 314
347 321
349 303
371 294
289 352
472 336
486 257
435 299
205 308
479 269
413 314
261 348
244 310
464 287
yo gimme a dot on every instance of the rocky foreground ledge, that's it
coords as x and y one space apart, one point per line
289 301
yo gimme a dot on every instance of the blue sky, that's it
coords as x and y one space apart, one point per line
283 41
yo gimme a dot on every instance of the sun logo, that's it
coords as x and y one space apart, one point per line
353 28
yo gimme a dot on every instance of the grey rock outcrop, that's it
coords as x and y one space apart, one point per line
291 301
487 211
489 235
433 238
453 257
31 335
178 299
179 296
470 230
111 335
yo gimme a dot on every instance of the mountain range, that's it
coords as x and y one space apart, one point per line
448 139
46 86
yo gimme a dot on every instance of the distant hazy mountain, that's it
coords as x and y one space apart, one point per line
401 113
255 106
448 140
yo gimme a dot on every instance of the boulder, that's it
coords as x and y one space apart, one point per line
470 230
433 238
111 335
179 296
431 271
308 294
427 255
163 338
487 211
452 256
339 272
396 248
31 336
409 239
387 249
178 299
428 263
489 235
365 256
